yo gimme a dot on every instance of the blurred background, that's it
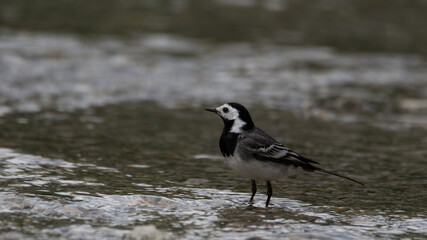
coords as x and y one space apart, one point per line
326 57
102 128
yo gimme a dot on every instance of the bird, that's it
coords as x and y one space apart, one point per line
253 154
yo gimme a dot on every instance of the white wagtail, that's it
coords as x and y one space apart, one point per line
253 154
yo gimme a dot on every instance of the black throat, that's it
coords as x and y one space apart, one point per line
228 140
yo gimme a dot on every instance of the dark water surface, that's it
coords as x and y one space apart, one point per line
352 25
103 136
106 170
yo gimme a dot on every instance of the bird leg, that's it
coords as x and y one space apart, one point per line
253 190
269 193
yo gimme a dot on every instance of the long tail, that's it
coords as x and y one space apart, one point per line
336 174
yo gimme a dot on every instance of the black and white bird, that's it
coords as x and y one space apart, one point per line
253 154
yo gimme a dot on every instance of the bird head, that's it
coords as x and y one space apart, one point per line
235 116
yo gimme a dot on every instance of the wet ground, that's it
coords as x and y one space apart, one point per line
106 170
103 133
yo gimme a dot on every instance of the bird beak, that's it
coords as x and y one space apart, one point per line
211 110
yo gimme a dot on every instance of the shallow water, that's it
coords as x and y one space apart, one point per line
106 170
103 133
40 72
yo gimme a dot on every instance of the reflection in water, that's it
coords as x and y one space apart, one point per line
110 169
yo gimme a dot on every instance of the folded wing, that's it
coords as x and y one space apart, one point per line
264 148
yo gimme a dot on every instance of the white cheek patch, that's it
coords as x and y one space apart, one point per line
237 126
231 114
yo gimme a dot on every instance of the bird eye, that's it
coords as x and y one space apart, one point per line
225 109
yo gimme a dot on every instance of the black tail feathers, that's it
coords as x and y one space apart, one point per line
336 174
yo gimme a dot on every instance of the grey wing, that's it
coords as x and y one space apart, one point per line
265 148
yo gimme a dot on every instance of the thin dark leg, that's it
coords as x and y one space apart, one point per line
269 193
253 190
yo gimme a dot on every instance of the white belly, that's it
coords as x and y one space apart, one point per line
260 170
